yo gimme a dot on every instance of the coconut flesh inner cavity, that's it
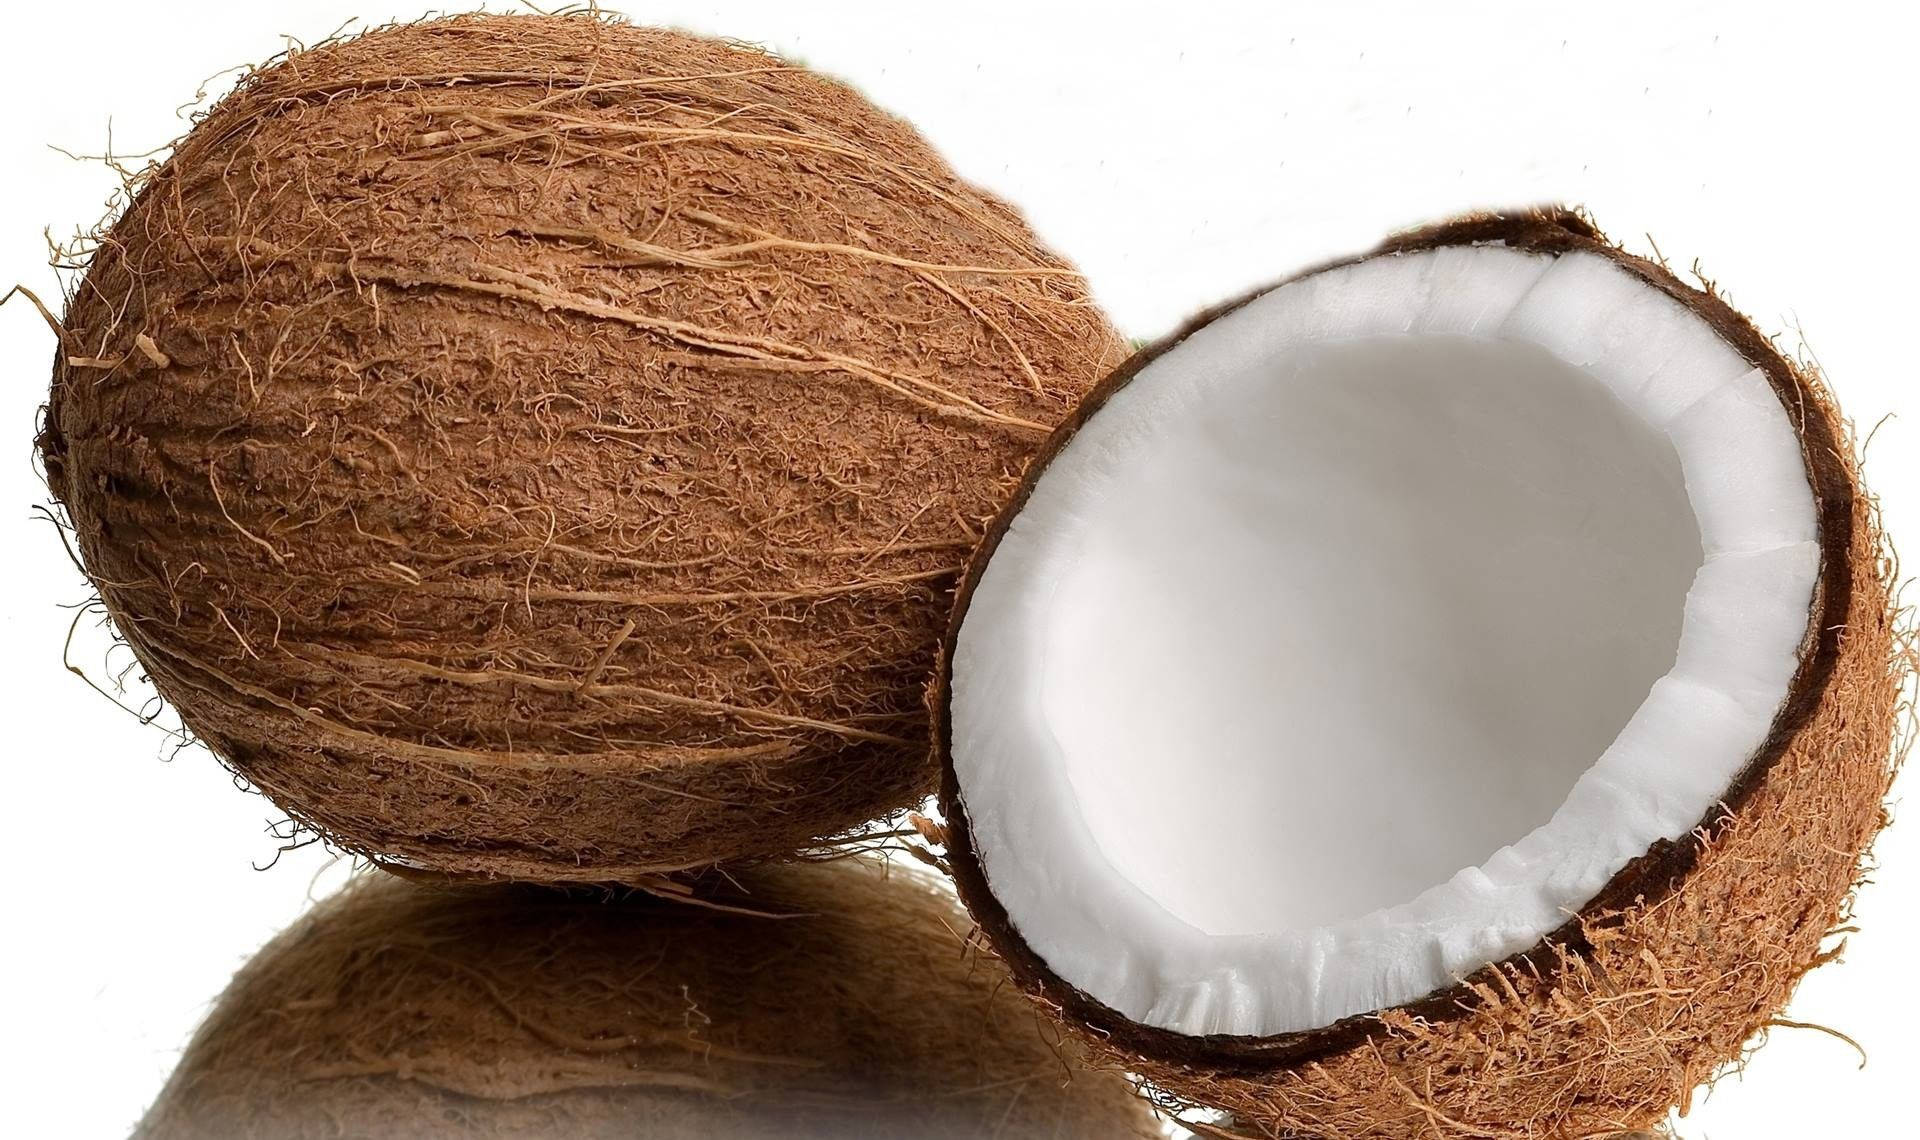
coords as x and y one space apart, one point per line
1368 632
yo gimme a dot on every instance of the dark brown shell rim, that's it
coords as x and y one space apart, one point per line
1655 875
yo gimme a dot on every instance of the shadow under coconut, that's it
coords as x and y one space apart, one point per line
400 1010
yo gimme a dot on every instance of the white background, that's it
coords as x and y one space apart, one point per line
1180 154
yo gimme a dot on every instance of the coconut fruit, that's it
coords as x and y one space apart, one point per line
1445 694
545 447
811 1000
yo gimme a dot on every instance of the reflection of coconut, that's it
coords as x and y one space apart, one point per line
1498 549
395 1010
543 447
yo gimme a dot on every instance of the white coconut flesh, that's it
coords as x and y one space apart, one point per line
1369 631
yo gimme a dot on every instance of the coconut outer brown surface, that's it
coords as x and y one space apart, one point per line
1681 960
543 447
395 1010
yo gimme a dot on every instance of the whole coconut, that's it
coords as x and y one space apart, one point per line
396 1011
543 447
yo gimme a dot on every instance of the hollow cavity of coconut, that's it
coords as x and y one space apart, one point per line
1445 694
394 1010
544 447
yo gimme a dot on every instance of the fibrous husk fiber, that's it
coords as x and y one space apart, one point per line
1690 952
395 1010
543 447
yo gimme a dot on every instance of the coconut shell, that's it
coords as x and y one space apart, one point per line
544 447
395 1010
1674 967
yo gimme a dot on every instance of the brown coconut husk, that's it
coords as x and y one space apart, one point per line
394 1010
543 447
1682 959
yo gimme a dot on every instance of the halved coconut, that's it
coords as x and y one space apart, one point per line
1444 694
